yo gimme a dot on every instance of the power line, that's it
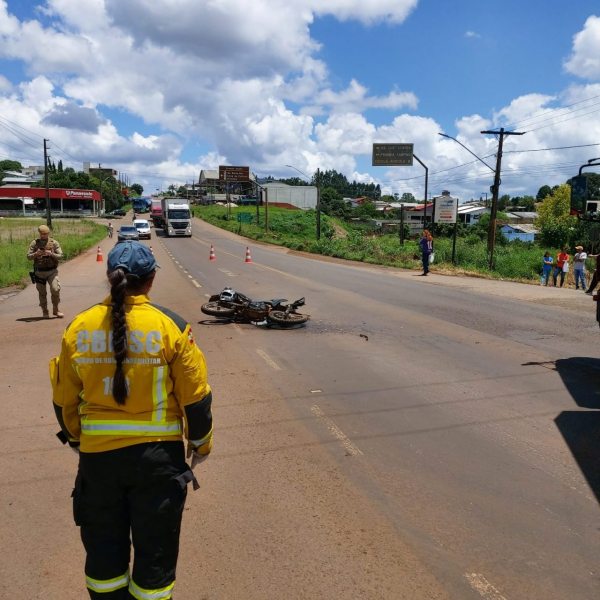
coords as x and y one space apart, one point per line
550 110
547 149
563 121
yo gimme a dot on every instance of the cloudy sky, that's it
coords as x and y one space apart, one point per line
160 89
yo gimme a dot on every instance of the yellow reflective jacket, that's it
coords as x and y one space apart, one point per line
169 395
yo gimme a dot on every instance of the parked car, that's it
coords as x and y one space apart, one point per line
128 232
118 212
143 228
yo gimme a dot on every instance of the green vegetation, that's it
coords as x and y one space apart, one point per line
74 235
516 261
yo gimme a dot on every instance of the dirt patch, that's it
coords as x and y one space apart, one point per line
339 232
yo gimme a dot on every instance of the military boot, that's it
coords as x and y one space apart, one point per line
45 313
57 313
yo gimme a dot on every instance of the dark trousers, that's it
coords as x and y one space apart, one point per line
131 495
556 273
425 260
594 282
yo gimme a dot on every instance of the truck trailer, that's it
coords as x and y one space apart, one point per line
177 218
156 212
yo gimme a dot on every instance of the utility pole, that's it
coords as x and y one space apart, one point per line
495 188
48 211
318 207
426 183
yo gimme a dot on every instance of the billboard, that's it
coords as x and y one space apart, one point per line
234 174
392 155
445 210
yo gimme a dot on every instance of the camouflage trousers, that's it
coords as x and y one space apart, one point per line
51 278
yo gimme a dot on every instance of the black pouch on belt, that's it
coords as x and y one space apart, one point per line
32 277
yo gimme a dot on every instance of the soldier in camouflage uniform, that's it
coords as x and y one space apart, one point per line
45 253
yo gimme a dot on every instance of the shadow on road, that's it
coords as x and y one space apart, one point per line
33 319
581 429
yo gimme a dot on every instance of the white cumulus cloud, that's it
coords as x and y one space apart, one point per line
585 58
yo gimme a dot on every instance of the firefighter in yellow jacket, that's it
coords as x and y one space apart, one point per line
129 385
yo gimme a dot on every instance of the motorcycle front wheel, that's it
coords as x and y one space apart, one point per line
286 320
214 309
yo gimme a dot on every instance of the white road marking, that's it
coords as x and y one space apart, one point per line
316 391
483 587
351 448
268 359
196 283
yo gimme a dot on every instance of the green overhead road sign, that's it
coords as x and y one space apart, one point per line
392 155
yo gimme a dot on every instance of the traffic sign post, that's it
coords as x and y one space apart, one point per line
392 155
234 174
399 155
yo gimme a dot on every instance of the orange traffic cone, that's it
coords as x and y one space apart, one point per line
99 257
248 257
212 253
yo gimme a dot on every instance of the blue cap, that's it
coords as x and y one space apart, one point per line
132 257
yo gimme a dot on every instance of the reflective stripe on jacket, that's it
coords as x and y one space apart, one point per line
165 372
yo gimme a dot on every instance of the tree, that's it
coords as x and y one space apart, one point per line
366 210
10 165
407 197
137 188
332 202
554 221
503 202
523 202
544 191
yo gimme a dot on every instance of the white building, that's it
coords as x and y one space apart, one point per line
469 214
12 178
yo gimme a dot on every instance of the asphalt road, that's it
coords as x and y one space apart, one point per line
420 438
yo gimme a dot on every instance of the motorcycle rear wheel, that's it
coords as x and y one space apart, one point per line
214 309
286 320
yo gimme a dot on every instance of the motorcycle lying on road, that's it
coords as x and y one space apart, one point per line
235 306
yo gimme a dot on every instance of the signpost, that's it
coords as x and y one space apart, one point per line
234 174
445 209
392 155
399 155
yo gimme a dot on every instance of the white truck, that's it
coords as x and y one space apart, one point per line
177 218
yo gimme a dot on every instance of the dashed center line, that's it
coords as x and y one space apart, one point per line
268 359
351 449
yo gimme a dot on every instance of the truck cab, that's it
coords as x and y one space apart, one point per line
177 218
